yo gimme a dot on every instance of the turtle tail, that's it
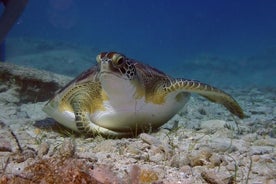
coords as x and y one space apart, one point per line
211 93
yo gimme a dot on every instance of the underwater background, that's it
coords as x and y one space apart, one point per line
229 44
224 43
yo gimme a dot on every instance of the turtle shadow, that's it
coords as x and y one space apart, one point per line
49 124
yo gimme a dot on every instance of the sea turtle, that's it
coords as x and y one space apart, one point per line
121 97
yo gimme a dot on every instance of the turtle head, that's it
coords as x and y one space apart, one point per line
117 75
113 63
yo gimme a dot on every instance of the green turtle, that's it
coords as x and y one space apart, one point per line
122 97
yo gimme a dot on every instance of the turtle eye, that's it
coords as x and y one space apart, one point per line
98 58
118 60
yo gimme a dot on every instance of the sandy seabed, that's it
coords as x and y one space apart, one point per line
203 143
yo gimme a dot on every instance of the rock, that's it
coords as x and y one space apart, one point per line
200 157
43 149
156 157
215 160
231 167
179 160
260 150
140 175
133 149
151 140
21 115
211 177
264 169
106 146
7 111
24 155
251 137
222 145
67 149
32 83
5 144
241 145
10 96
186 169
255 158
7 141
103 174
267 158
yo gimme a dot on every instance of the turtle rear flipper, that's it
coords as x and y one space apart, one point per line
211 93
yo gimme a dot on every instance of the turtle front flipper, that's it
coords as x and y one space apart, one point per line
81 115
83 121
211 93
86 99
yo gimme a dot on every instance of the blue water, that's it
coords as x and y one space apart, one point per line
182 38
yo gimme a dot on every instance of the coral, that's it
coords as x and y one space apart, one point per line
142 176
52 171
148 176
63 168
103 174
64 171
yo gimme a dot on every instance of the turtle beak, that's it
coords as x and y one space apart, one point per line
105 66
103 63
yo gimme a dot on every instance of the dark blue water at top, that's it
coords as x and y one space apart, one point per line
178 37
